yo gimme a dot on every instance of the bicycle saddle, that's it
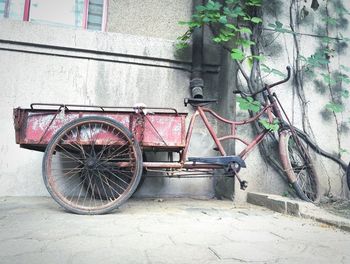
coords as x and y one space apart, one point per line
199 101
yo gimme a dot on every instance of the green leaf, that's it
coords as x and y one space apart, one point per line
326 40
200 8
269 70
330 20
256 20
278 27
310 73
278 24
237 54
248 103
231 26
343 78
274 126
334 107
343 151
226 32
253 2
345 93
181 45
245 30
231 1
223 20
341 10
191 24
250 62
225 35
217 39
246 18
206 19
235 12
328 79
318 59
285 194
213 6
265 68
245 42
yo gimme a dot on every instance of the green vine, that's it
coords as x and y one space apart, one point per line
239 27
319 64
232 24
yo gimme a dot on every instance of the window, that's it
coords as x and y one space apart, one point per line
88 14
14 10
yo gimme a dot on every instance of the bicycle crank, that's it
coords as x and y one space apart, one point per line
234 168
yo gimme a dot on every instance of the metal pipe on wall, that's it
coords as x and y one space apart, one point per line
197 82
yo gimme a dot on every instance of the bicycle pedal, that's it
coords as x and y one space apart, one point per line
244 185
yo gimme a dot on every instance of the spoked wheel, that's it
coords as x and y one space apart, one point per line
92 165
298 166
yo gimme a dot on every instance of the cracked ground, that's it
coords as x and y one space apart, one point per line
36 230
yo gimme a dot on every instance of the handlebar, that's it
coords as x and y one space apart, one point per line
267 86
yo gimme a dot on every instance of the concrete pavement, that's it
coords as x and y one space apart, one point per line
37 230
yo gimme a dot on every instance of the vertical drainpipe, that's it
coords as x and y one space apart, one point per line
196 82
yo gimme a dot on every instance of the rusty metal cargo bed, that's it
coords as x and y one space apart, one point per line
155 128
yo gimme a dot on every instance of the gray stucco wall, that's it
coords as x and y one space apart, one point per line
54 65
280 51
149 18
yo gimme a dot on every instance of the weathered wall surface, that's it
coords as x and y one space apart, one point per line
280 50
54 65
135 62
149 18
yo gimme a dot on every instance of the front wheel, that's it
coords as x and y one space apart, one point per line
92 165
298 166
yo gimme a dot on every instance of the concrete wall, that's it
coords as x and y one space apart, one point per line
149 18
54 65
280 51
136 62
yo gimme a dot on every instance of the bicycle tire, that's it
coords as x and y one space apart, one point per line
298 166
69 162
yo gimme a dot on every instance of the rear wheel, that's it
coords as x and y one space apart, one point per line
92 165
298 166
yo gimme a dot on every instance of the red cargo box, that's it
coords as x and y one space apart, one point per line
163 129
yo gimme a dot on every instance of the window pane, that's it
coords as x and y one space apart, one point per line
95 14
2 8
57 12
15 9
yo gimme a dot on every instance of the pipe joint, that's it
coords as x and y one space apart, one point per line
196 85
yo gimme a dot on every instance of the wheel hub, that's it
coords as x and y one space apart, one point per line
91 163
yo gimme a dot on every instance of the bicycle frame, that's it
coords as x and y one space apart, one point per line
201 112
271 109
